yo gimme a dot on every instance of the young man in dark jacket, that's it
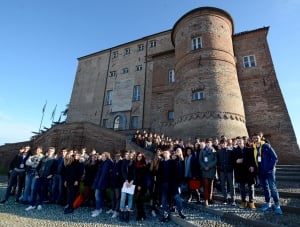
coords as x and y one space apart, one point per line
225 163
17 173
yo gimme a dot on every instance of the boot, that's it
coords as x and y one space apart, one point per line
251 205
126 216
243 205
121 216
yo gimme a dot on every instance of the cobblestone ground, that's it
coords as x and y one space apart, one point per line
13 214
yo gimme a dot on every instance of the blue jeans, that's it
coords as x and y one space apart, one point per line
16 177
227 177
243 192
57 188
99 198
124 195
29 185
268 184
40 189
165 196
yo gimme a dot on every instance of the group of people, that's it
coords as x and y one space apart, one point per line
248 162
131 176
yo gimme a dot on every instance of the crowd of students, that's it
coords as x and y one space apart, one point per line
129 177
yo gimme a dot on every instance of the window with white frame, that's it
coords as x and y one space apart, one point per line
134 122
198 95
153 43
127 51
109 97
171 76
249 61
136 93
140 47
104 123
139 68
125 70
115 54
171 115
196 43
112 73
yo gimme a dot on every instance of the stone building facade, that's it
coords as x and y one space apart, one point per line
198 79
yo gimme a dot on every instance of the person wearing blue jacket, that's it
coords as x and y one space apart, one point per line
101 182
266 160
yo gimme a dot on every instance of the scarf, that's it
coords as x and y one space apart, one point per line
256 152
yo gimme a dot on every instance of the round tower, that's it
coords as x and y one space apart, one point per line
208 100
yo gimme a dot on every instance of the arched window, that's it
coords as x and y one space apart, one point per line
117 122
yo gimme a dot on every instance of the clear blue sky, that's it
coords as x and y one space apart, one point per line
40 42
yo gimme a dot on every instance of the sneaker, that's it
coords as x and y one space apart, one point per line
165 218
278 210
251 206
115 214
243 205
95 213
2 202
39 207
181 214
233 203
265 207
225 201
153 213
30 208
109 211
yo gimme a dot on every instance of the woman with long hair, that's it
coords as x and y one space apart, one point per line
73 173
141 184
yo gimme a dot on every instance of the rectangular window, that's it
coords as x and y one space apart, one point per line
134 122
115 54
112 73
127 51
125 70
249 61
104 123
198 95
171 115
153 43
108 97
171 77
139 68
136 93
140 47
196 43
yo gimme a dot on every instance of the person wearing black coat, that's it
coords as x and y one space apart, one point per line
115 185
244 173
141 184
90 170
17 173
169 170
128 177
73 173
225 163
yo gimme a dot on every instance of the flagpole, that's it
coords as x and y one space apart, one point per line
43 111
53 114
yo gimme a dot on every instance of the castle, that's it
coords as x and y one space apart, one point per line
198 79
